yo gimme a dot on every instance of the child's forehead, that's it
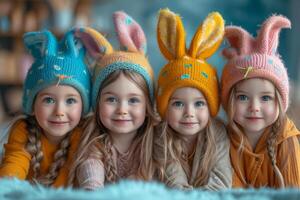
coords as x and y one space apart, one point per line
187 92
255 84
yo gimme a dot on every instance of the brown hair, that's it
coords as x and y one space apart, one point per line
97 142
169 149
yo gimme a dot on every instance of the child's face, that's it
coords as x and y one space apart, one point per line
188 111
58 109
255 105
122 106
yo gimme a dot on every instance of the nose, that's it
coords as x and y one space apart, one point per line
122 108
254 106
59 110
189 111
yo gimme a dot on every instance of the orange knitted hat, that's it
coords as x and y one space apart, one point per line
188 68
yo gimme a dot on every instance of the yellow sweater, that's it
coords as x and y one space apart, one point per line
16 161
254 166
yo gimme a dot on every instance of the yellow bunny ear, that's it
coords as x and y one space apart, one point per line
170 35
208 37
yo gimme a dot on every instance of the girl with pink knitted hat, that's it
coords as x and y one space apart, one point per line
265 150
118 140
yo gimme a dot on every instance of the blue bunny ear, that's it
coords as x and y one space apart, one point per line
40 43
71 45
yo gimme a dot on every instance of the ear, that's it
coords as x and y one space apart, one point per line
95 43
170 35
130 34
208 37
267 39
241 41
40 43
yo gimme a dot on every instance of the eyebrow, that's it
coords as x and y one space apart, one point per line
130 94
263 92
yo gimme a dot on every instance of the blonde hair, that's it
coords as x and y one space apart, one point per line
274 130
97 142
34 147
169 149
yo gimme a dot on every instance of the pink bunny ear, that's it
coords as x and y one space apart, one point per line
241 41
94 42
267 39
130 34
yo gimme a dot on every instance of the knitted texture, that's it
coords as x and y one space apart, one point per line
131 56
12 189
55 63
250 57
188 68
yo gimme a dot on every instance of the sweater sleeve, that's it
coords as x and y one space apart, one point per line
16 160
91 174
221 175
176 177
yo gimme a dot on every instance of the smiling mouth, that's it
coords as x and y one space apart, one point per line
57 122
254 118
189 124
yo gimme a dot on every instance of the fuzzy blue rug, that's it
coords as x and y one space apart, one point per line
125 190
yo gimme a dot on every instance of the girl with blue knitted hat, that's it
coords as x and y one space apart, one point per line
56 94
118 141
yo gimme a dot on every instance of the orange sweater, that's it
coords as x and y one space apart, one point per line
254 166
16 161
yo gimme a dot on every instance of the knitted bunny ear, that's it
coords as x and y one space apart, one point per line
170 35
40 43
208 37
94 42
267 38
130 34
241 41
71 45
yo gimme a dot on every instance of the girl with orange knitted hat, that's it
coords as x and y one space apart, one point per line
118 140
192 147
265 150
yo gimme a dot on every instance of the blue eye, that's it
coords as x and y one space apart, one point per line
266 98
134 100
178 104
111 99
71 101
48 100
242 97
199 103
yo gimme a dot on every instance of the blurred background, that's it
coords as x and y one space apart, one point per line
20 16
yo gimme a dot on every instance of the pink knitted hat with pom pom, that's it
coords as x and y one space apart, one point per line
250 57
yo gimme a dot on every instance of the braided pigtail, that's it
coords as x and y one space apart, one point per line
276 129
111 174
60 157
33 145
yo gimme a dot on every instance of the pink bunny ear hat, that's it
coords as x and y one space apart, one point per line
131 56
250 57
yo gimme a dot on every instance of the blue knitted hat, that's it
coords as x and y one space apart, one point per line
55 63
132 56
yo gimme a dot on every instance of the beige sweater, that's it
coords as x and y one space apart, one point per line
220 176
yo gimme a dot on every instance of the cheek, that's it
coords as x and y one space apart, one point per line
239 111
203 115
139 113
271 111
76 112
173 116
105 111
